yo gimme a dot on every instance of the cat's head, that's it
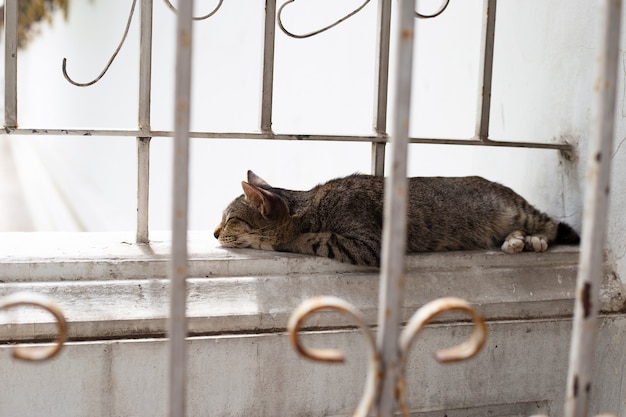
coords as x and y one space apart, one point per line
256 219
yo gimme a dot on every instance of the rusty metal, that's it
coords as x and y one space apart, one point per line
108 65
392 266
177 324
595 213
418 322
206 16
25 299
374 368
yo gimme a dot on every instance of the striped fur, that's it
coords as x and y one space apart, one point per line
343 218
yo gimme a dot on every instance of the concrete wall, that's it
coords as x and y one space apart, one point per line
114 295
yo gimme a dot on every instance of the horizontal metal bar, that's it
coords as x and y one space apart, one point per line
285 136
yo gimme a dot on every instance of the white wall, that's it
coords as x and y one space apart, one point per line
541 92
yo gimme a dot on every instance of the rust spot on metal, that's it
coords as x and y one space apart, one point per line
183 105
185 39
598 156
575 387
407 34
585 299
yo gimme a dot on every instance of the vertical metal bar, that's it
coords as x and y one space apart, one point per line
485 70
595 212
178 319
378 158
10 63
267 92
145 65
395 213
382 84
143 189
143 143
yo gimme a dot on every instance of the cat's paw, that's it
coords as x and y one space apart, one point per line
537 243
514 242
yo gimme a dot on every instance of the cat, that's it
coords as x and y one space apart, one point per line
342 219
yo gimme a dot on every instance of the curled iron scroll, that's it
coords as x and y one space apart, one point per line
415 325
108 65
442 8
374 370
421 318
21 299
279 18
315 32
206 16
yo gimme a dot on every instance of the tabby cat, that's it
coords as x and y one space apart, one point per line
343 218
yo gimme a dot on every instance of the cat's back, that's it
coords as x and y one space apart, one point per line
346 199
351 186
458 191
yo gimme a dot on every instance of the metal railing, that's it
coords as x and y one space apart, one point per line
385 387
272 20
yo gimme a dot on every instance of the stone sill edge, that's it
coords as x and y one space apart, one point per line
41 257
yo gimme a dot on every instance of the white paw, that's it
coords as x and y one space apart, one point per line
536 243
513 243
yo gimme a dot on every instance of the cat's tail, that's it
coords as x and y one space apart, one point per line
565 234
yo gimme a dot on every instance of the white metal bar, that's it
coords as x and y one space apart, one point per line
595 212
395 213
287 136
10 63
382 84
145 65
267 92
143 189
178 289
143 142
485 70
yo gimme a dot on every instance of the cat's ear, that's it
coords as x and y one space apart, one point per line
270 205
257 181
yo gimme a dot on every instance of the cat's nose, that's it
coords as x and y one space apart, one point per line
216 232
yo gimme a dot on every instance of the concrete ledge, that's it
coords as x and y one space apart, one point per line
111 288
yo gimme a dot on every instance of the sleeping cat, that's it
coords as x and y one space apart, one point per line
343 218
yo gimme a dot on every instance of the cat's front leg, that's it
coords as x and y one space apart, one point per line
334 246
